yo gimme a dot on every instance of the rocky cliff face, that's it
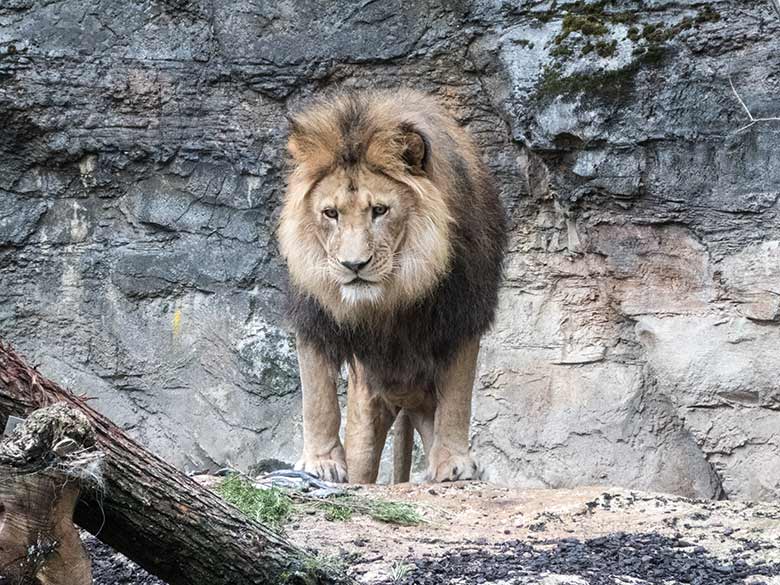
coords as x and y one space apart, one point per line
141 169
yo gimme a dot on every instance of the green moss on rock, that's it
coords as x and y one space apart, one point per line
707 14
523 43
587 25
561 51
609 84
653 55
592 19
606 48
612 84
601 10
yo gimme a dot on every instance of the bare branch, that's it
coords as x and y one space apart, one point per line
776 4
744 106
745 127
734 89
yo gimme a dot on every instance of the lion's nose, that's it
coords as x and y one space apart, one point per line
356 266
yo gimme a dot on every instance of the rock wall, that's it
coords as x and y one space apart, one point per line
141 169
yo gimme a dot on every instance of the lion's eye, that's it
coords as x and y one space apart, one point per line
330 213
378 210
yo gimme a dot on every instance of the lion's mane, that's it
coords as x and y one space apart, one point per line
407 342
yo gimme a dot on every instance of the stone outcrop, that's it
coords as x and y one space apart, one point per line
141 169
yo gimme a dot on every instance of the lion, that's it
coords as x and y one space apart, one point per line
394 235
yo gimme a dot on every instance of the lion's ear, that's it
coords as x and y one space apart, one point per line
415 150
293 148
293 142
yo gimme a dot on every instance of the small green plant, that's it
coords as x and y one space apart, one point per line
325 564
317 569
271 506
399 571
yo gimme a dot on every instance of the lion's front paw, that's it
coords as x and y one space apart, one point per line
326 469
452 467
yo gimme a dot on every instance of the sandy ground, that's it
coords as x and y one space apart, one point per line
480 533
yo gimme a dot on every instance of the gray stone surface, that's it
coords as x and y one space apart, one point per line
141 169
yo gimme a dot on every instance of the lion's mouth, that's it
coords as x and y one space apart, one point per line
357 281
360 291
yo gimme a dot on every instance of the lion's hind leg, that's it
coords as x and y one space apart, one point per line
369 418
403 447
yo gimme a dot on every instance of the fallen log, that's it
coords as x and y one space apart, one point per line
157 516
43 466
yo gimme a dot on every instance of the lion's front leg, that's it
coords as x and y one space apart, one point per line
449 458
323 453
369 418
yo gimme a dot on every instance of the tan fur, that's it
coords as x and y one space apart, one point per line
409 251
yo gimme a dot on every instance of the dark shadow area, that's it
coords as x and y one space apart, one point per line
653 558
111 568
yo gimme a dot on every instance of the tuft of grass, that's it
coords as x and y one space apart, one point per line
325 564
399 571
336 512
345 507
269 506
274 506
394 512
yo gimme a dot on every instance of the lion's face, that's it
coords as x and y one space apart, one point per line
360 240
360 219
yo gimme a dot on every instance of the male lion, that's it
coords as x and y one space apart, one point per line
394 235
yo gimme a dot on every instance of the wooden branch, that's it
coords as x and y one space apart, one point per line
157 516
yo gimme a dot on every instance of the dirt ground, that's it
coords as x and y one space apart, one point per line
478 533
501 528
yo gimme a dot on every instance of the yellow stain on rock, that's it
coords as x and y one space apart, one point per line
176 322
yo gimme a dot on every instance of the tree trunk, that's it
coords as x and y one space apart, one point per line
42 466
154 514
